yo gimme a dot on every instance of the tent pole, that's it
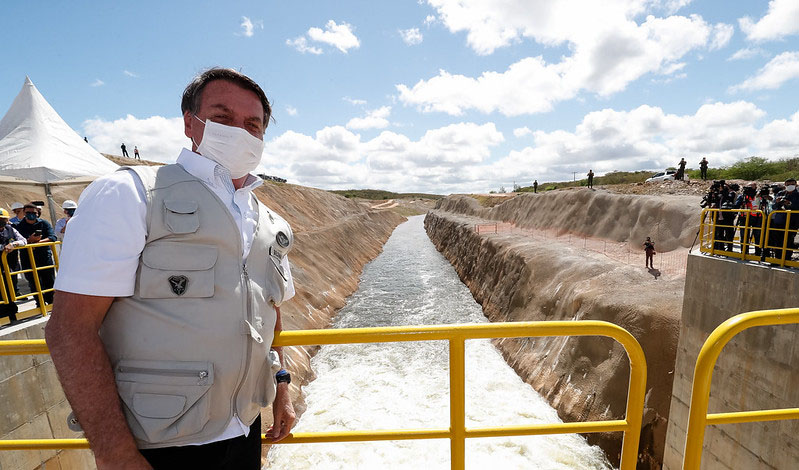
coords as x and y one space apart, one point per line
50 203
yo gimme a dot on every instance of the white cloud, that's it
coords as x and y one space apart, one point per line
463 157
782 19
158 138
429 19
522 131
248 27
411 36
339 36
609 50
301 44
747 53
130 74
375 119
97 82
771 76
291 110
354 101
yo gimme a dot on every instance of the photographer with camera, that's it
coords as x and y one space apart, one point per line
747 220
786 200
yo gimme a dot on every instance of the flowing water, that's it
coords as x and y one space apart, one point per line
406 385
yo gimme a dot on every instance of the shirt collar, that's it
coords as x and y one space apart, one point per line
206 170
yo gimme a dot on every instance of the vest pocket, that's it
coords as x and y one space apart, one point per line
173 269
165 400
181 216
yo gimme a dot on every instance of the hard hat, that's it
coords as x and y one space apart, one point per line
3 213
16 205
69 204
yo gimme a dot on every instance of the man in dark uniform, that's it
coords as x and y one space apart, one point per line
590 178
124 150
703 168
36 230
535 186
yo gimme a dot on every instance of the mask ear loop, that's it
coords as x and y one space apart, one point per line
192 138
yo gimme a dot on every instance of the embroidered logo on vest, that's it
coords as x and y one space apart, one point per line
178 284
282 239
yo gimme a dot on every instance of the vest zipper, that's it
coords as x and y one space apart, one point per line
173 372
248 347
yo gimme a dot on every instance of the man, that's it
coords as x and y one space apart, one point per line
680 170
9 239
69 207
535 187
590 178
124 150
136 152
36 230
16 208
703 168
161 331
785 200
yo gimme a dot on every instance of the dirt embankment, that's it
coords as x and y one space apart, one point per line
517 278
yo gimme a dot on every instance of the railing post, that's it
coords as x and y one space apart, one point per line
35 272
457 403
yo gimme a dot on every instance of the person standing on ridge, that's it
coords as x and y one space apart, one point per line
124 150
535 186
703 168
590 178
680 170
649 251
136 152
162 332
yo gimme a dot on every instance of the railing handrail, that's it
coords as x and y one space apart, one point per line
698 418
36 289
456 334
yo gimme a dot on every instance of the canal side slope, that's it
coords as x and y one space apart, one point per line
517 277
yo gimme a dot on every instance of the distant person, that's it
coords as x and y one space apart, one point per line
36 230
69 207
9 239
590 178
136 153
16 208
535 186
649 251
124 150
680 170
86 140
786 200
703 168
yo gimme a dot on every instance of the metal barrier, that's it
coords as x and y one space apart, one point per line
8 295
457 432
698 418
753 236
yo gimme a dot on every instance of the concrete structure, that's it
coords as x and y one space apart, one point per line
34 407
758 369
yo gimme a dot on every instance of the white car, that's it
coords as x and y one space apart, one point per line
662 176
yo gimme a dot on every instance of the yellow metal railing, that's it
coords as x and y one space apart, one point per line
457 432
752 236
698 418
8 295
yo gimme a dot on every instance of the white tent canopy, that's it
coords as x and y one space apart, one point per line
36 144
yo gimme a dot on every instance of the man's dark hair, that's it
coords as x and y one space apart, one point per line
192 95
29 206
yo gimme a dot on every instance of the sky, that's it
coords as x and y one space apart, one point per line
435 96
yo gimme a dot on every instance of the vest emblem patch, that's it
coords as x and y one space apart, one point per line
282 239
178 284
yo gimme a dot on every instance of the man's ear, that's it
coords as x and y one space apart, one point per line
187 123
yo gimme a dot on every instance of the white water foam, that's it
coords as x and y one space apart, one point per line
406 385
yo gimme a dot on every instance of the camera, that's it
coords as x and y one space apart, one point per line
749 191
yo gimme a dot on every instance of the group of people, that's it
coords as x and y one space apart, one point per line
125 151
766 200
28 227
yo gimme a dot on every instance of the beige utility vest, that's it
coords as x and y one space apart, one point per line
190 348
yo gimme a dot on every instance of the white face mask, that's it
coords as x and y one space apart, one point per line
232 147
790 188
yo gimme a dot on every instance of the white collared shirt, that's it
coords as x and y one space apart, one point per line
107 234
